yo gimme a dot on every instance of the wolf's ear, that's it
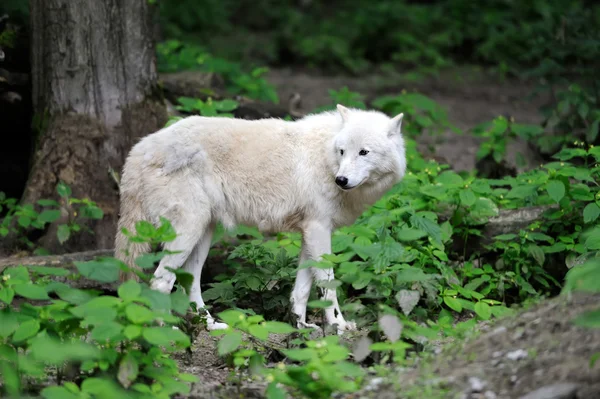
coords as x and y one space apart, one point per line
396 124
343 112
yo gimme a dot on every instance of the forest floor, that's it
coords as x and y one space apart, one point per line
538 353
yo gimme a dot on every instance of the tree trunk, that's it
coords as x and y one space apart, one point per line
94 94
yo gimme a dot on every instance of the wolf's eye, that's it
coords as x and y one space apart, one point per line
341 152
363 152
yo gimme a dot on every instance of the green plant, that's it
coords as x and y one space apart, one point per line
122 355
573 118
420 112
70 211
323 369
209 107
498 133
175 56
345 97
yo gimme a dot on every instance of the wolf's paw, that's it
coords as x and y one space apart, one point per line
216 326
303 324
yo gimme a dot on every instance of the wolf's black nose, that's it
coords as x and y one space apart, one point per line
341 181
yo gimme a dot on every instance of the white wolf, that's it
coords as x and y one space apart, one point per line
311 175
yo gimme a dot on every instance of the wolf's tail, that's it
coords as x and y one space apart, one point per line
131 212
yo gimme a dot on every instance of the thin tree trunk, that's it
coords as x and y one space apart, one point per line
94 95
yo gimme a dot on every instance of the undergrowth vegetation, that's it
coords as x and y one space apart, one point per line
414 269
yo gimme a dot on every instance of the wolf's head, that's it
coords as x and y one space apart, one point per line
368 150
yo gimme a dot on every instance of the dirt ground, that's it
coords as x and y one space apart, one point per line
538 354
539 348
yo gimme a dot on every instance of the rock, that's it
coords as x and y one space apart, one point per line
516 355
476 384
555 391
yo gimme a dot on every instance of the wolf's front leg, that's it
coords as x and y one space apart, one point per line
317 242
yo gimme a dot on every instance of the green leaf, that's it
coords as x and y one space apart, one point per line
431 227
593 241
412 274
92 212
590 319
10 378
138 314
63 233
273 391
258 331
450 178
522 191
58 393
483 310
537 253
89 308
556 190
31 291
129 290
410 234
73 295
132 332
158 301
24 221
467 197
53 351
505 237
591 212
106 331
159 336
6 295
180 302
225 105
63 190
230 342
105 270
453 303
300 354
147 261
8 323
47 202
231 317
18 274
49 215
26 330
278 327
49 271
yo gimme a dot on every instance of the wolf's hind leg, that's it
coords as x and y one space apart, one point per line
194 265
189 227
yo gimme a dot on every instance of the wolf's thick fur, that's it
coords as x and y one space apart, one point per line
312 176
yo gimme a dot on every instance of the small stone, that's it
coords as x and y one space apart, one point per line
497 354
516 355
374 383
476 384
489 395
499 330
565 390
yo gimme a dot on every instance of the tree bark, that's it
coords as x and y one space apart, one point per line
94 94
